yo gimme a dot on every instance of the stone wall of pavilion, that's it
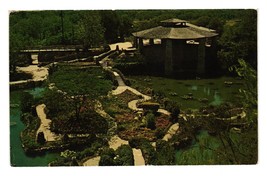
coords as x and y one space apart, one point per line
182 58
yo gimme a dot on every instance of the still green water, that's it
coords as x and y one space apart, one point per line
17 154
215 91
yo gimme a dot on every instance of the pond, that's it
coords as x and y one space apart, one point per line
202 91
214 91
17 154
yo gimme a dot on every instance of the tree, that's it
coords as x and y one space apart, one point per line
111 23
174 109
125 27
107 157
150 121
79 86
239 41
250 91
90 30
26 102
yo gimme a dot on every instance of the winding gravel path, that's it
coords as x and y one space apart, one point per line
45 124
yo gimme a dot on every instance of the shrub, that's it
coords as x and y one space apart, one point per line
150 121
124 156
16 76
136 142
165 153
160 132
174 109
134 68
107 157
26 102
86 153
106 160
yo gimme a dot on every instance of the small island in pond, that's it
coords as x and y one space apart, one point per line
129 88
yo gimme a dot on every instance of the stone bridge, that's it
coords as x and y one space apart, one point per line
35 52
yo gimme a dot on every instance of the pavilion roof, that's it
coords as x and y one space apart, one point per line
176 29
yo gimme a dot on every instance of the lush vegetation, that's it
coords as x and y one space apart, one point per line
71 103
237 29
123 156
207 134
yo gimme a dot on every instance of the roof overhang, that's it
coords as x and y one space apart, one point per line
186 32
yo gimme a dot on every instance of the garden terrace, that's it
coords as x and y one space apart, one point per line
117 104
150 126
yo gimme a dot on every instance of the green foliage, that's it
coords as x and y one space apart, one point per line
249 74
28 135
107 157
27 102
67 154
90 31
81 81
89 122
239 41
174 109
150 121
211 22
55 103
80 86
165 153
16 76
124 156
250 91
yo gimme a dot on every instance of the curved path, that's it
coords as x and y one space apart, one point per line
138 157
45 124
116 141
92 162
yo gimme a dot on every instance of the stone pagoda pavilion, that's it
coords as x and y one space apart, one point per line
177 46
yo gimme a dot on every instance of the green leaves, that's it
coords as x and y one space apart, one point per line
90 31
250 92
239 40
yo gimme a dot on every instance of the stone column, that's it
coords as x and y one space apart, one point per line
168 57
201 56
34 57
179 46
135 44
151 41
140 44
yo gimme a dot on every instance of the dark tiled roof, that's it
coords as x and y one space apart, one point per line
176 32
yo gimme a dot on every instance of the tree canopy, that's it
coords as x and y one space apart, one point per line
237 29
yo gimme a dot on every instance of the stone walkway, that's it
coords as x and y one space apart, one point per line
45 124
172 130
119 79
38 73
92 162
138 157
115 142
